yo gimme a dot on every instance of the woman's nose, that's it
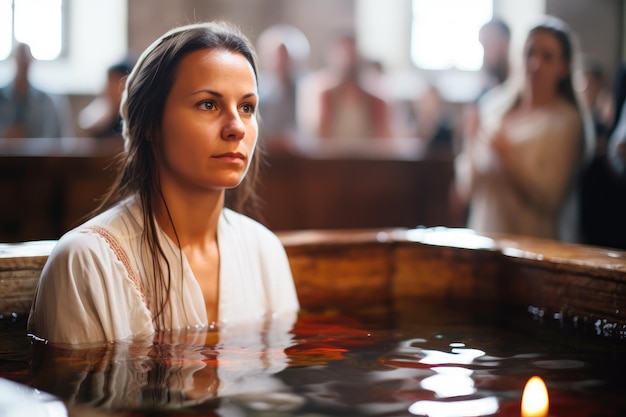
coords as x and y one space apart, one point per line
234 128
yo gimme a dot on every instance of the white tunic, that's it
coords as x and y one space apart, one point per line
94 287
548 146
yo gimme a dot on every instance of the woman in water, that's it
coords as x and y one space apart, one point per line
164 252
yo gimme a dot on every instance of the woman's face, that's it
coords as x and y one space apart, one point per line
209 129
544 60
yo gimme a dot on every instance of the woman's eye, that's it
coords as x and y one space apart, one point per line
207 105
247 108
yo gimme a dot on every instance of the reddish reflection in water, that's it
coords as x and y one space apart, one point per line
418 358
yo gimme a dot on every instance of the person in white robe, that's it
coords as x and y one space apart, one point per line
170 247
522 156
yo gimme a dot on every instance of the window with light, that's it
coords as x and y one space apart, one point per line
39 23
444 33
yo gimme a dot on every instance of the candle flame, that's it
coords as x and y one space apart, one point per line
535 402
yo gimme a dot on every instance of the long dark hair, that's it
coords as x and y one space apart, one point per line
142 107
562 33
565 87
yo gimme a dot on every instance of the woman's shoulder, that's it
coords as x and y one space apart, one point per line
121 222
246 226
122 218
78 240
79 248
239 220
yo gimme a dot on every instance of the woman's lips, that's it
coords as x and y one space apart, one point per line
230 157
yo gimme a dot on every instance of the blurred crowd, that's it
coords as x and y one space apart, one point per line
27 111
540 155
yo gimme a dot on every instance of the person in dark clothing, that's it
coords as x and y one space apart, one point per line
603 183
101 117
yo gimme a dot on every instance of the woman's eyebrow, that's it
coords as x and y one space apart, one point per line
204 90
220 95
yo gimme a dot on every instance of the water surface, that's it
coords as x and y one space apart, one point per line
412 358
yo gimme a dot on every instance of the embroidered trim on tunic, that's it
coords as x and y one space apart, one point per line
123 258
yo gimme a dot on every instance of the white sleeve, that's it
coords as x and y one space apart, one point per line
84 295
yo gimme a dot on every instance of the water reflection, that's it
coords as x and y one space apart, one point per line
476 407
31 402
449 382
453 387
178 370
420 361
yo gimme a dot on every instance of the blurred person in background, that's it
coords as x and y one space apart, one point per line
495 38
616 142
28 112
598 99
520 166
433 122
101 117
603 199
349 111
616 148
599 187
283 53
